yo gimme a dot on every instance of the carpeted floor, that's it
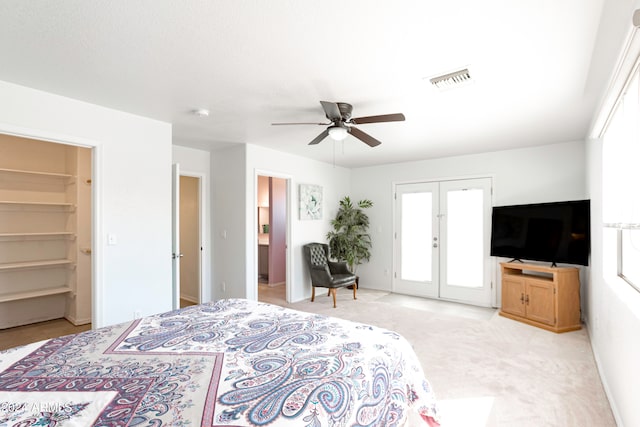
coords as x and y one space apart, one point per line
486 370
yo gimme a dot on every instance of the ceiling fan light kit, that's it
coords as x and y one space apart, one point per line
338 133
339 113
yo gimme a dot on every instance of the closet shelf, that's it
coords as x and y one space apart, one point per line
35 264
45 211
44 233
34 294
14 205
18 202
38 173
49 235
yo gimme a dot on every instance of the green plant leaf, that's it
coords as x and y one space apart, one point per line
349 241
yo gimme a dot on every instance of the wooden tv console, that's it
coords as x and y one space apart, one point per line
546 297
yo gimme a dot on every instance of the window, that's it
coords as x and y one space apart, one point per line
629 251
621 178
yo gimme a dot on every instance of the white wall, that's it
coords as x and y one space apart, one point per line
612 309
540 174
229 211
198 163
611 306
335 182
132 190
235 173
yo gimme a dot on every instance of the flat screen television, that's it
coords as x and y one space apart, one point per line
553 232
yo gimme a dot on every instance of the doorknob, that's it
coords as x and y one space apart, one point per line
173 255
435 245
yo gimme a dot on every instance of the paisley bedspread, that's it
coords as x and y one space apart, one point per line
229 363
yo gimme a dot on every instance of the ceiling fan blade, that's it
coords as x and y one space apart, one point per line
320 137
332 110
299 123
398 117
364 137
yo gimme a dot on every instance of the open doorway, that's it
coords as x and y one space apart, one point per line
187 238
272 239
190 247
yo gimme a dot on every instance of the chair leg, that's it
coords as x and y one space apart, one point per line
354 291
332 291
329 292
313 293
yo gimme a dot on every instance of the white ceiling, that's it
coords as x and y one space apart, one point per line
255 62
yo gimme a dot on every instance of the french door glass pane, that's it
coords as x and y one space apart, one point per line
465 238
416 237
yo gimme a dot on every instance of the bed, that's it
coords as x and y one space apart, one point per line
230 363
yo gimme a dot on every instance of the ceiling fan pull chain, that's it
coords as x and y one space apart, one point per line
334 154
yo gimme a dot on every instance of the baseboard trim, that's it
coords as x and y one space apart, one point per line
190 299
603 378
273 285
78 322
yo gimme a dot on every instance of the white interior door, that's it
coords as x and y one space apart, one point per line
175 235
442 233
416 234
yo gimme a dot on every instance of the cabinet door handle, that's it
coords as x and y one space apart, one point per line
526 299
522 298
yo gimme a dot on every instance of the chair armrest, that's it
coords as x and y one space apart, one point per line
320 275
339 267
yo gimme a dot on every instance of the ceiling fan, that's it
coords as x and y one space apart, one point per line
342 124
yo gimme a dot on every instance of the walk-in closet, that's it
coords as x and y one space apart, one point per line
45 232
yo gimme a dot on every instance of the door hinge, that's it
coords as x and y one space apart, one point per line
395 275
491 285
554 291
395 196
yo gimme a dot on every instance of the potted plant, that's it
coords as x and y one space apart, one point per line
349 241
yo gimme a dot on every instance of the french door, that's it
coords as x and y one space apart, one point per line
442 233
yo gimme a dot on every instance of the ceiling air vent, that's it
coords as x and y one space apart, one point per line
446 81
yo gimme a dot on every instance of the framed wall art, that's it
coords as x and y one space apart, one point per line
310 201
